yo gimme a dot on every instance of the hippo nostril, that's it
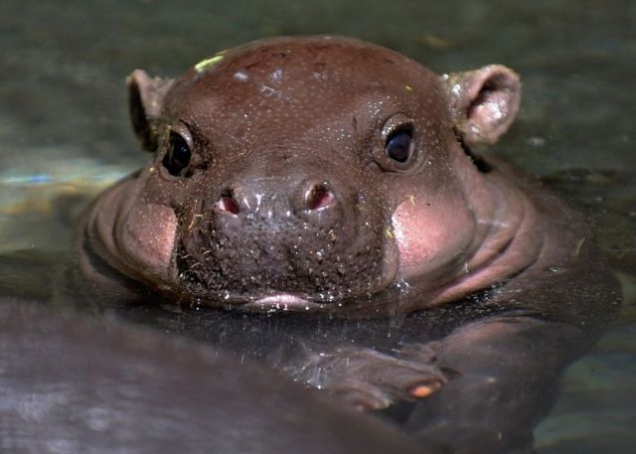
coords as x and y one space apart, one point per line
228 203
318 196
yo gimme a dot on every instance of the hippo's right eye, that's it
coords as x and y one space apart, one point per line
177 159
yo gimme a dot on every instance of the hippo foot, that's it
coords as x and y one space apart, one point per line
369 380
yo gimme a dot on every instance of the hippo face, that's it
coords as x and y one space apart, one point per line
317 173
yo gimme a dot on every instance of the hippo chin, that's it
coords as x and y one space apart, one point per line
327 175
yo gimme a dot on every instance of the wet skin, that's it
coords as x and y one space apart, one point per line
73 384
327 193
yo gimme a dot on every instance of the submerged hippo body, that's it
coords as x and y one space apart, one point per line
325 175
76 385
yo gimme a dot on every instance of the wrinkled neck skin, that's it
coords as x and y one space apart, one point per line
502 234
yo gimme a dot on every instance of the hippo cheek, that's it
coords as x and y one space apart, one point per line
434 240
148 238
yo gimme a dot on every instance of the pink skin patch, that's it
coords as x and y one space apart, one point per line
452 248
434 239
134 237
148 235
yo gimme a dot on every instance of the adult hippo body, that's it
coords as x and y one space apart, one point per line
301 177
77 385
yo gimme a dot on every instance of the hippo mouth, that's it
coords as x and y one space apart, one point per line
294 299
284 274
284 302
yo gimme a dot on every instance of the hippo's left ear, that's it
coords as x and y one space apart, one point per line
145 100
483 102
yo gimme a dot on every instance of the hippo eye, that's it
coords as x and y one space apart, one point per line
177 158
398 145
396 149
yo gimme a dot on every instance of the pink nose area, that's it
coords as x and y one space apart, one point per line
308 196
318 195
228 203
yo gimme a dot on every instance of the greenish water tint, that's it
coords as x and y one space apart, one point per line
64 130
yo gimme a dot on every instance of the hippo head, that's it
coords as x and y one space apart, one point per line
319 173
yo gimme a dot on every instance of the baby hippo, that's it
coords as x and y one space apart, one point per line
325 175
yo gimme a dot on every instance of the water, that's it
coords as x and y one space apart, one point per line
64 129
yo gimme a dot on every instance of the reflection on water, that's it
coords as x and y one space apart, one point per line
64 129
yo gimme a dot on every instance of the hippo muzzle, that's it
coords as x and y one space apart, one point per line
285 240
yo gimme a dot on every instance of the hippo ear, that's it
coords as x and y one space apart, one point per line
483 102
145 99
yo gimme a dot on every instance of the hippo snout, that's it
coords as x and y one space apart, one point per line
308 237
